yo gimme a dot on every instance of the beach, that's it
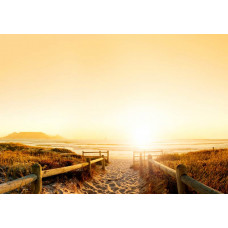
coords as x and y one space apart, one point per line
118 178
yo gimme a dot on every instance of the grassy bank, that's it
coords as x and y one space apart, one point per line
17 159
208 167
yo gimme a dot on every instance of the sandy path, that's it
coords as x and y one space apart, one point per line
118 178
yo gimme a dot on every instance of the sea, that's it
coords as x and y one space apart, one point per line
126 150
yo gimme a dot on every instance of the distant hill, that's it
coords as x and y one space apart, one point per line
31 135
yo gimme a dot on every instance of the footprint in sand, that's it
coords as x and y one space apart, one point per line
121 191
117 179
91 192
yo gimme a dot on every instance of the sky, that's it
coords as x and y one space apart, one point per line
134 88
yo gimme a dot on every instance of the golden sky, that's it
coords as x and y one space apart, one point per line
115 86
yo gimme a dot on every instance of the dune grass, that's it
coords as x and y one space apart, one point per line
209 167
16 161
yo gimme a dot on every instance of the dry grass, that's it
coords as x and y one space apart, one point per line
208 167
16 161
157 182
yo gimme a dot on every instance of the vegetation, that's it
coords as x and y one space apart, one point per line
16 161
209 167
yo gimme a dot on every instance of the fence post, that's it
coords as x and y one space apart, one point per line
180 170
133 159
89 167
103 162
149 163
141 163
144 159
108 156
37 184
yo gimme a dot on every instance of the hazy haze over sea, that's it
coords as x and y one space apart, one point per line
125 150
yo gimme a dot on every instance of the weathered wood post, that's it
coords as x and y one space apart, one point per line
89 167
37 184
181 170
141 164
149 163
103 162
108 156
144 160
133 159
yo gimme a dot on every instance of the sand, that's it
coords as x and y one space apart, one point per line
118 178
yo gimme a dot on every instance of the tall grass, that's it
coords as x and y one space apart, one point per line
208 167
16 159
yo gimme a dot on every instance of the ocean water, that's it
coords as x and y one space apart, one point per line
126 150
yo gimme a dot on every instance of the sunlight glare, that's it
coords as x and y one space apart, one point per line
143 136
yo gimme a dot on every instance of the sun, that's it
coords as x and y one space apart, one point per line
143 129
143 136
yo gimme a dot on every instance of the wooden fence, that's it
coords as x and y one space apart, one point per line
96 152
37 174
181 176
140 156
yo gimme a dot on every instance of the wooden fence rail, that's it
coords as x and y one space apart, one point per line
166 169
198 186
53 172
36 177
181 177
18 183
97 152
